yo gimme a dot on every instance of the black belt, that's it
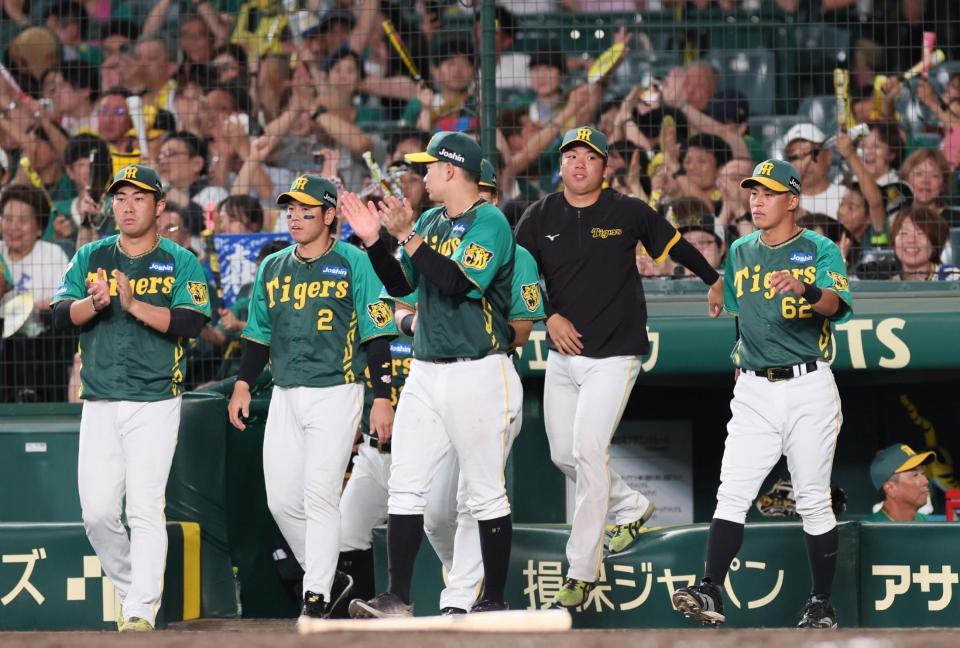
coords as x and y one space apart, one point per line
374 442
452 360
776 374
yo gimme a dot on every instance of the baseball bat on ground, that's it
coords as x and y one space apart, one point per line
532 621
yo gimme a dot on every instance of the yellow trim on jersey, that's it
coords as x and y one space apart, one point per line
487 309
780 245
666 250
244 336
80 370
191 570
348 374
176 378
195 310
373 337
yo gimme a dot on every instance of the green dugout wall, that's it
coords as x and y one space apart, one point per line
897 364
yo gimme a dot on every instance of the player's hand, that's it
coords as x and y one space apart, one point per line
396 216
564 335
381 420
784 282
99 290
124 290
229 321
363 218
239 405
715 298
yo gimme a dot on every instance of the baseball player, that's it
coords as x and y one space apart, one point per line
584 240
785 285
460 256
135 297
316 315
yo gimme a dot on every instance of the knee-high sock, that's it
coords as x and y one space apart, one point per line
496 537
822 550
404 534
722 546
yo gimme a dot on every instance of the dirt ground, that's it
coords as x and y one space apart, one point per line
281 634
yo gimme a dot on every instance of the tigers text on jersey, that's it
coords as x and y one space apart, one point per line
782 330
122 358
588 259
473 325
315 315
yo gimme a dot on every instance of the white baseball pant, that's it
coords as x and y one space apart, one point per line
126 449
363 504
584 399
450 528
306 449
466 406
798 418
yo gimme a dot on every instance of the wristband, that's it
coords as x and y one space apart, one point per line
811 293
408 239
93 305
406 324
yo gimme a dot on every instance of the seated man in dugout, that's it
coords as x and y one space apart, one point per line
897 472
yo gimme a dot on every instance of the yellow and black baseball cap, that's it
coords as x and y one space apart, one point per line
311 190
488 177
895 459
586 136
136 175
778 175
459 149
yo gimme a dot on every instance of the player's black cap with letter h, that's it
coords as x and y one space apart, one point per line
136 175
311 190
778 175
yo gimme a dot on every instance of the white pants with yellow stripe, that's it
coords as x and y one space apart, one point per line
126 449
450 528
584 399
306 448
798 418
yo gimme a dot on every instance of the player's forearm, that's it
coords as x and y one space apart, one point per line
70 313
441 271
828 304
156 317
379 363
521 332
252 361
388 269
689 257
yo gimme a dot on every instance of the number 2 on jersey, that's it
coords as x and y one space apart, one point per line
324 318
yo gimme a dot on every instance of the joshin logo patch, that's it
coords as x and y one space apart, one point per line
156 266
800 257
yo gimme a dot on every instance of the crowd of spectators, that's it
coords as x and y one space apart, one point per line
239 97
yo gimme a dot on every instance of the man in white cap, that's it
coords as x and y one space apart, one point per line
804 149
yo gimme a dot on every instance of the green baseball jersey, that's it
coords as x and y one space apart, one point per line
314 316
401 353
781 330
481 243
525 301
123 359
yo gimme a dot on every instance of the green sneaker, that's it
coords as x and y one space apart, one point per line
624 536
573 593
136 624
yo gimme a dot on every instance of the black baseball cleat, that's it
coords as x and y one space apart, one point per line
314 606
382 606
339 590
486 605
818 613
447 611
703 602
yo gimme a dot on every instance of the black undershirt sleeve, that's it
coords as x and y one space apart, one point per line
379 362
441 271
389 270
689 257
61 315
252 361
186 323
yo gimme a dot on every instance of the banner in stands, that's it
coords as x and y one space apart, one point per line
237 256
